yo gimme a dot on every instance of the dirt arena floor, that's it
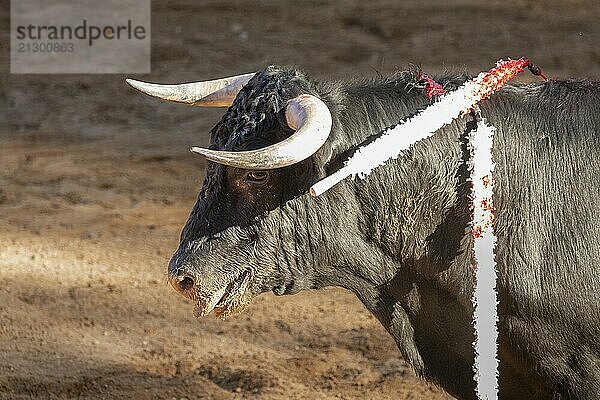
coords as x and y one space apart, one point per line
96 182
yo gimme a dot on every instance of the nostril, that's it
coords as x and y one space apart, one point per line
186 283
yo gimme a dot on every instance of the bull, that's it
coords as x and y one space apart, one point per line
401 239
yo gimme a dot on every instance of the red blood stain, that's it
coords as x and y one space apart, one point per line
486 180
487 204
432 88
503 72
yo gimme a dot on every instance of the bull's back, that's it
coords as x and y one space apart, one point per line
547 198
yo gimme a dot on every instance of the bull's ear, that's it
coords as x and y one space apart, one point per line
215 93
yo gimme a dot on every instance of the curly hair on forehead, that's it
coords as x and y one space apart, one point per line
254 114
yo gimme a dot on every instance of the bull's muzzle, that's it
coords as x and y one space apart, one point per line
224 292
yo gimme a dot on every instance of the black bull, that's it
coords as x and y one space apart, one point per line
401 239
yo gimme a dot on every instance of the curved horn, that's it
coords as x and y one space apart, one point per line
311 119
215 93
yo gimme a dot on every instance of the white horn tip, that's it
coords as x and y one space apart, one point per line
199 150
144 87
133 83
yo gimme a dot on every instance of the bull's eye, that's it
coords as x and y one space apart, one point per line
257 176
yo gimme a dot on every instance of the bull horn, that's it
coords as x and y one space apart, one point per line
306 114
215 93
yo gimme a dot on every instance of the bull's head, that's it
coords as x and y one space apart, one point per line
254 229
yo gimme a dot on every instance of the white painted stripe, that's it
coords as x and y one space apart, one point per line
401 137
398 138
484 242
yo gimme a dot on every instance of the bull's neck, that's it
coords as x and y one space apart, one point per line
413 211
365 109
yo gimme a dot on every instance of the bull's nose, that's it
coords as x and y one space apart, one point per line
184 284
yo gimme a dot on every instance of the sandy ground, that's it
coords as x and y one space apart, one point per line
96 182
